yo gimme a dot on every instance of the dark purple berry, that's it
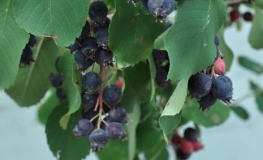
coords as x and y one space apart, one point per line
222 88
90 115
89 47
27 56
55 80
216 41
91 82
207 101
81 61
161 77
98 12
104 57
32 40
159 56
89 101
248 16
190 134
74 47
115 131
199 85
161 8
106 109
181 155
84 33
102 37
98 139
118 114
83 128
112 95
105 25
61 95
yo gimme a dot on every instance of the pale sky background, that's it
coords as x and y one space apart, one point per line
23 137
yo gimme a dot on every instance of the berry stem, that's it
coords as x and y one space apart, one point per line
94 117
105 122
100 97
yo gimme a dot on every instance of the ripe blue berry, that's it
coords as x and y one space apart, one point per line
190 134
161 8
118 114
115 131
199 85
91 82
83 128
112 95
81 61
98 138
89 47
89 101
222 88
207 101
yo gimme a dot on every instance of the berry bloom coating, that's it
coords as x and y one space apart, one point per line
83 128
219 66
91 82
89 47
98 139
104 57
89 101
118 114
187 147
190 134
199 85
97 13
115 131
81 61
102 37
222 88
161 8
112 95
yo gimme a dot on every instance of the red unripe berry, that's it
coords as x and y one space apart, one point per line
234 15
176 139
187 147
197 145
118 82
248 16
219 66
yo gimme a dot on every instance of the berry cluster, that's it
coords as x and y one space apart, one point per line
162 64
56 80
209 85
186 145
102 113
158 8
27 55
235 15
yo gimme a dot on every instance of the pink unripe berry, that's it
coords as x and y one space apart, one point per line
197 145
187 147
219 66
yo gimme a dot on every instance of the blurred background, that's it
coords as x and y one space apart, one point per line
22 136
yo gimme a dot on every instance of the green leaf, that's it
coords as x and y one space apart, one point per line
32 81
46 108
12 42
251 65
134 42
72 85
62 142
259 3
240 112
136 79
190 41
170 117
117 150
259 101
62 20
164 155
223 47
159 152
255 40
215 116
147 135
